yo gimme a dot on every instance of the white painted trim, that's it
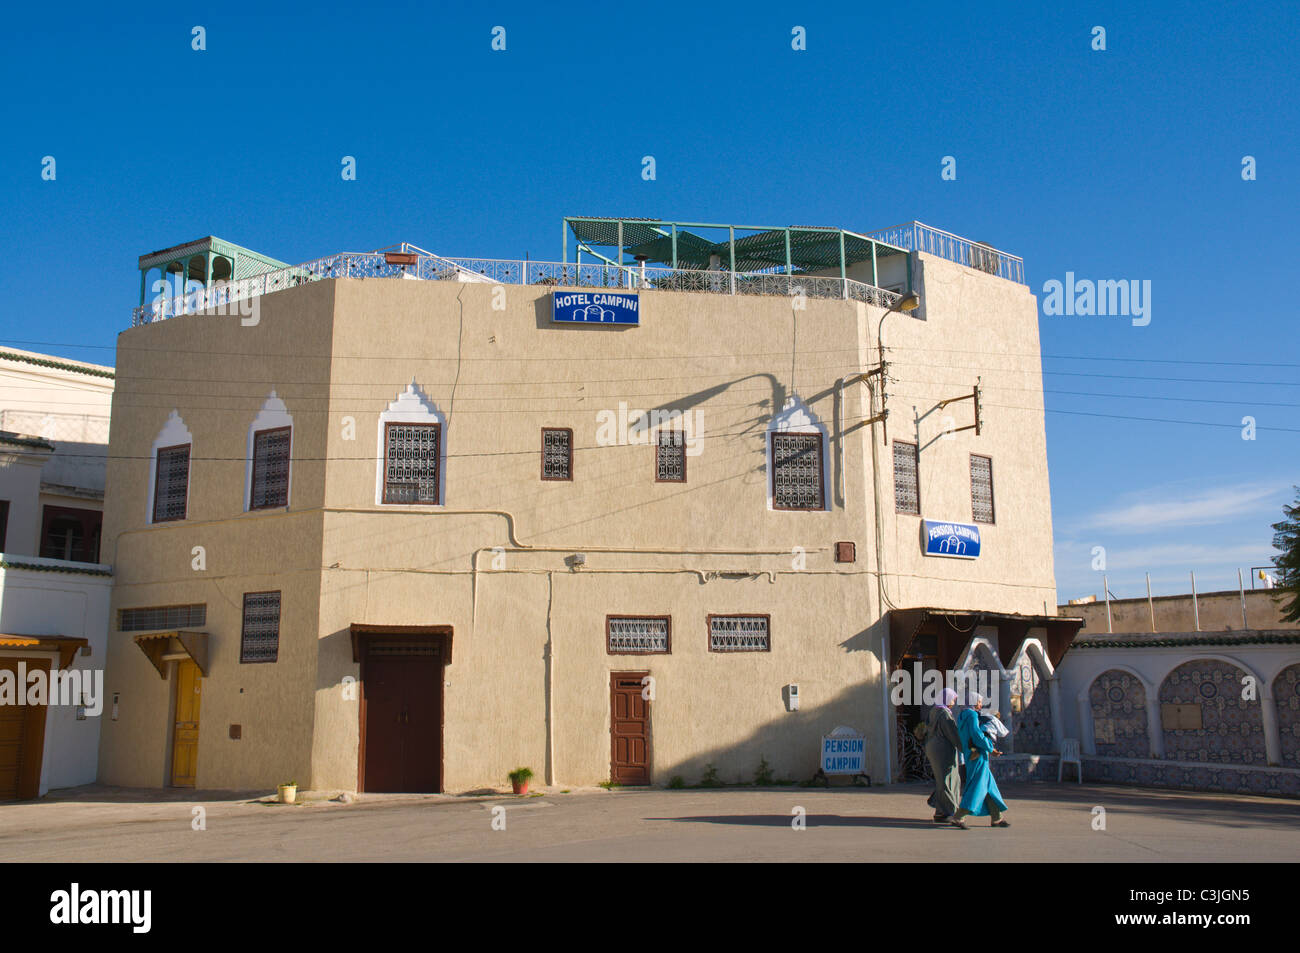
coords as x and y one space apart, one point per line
412 406
796 417
272 416
174 433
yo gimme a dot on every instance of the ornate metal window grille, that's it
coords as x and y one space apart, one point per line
171 483
638 635
670 457
158 618
981 488
740 633
402 648
557 453
260 639
907 484
270 468
797 471
411 453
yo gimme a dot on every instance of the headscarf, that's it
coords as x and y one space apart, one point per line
949 699
973 698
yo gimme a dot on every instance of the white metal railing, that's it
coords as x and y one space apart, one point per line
226 297
914 236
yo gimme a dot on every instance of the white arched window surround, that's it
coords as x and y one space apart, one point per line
795 418
412 406
273 416
174 433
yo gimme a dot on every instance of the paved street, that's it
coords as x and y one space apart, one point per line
843 824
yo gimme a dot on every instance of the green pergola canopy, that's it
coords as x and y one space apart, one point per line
760 248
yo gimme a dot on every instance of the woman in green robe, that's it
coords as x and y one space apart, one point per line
942 742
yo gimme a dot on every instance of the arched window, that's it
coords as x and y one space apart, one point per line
796 459
412 451
169 468
268 472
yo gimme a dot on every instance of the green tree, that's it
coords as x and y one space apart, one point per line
1286 540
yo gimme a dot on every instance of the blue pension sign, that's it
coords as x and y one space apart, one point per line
595 307
957 540
844 752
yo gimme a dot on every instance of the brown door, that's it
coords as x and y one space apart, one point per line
185 729
22 736
629 729
402 723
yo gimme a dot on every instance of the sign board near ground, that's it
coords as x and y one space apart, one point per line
844 751
595 307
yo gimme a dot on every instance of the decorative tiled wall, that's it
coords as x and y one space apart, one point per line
1286 695
1119 715
1228 779
1232 729
1032 725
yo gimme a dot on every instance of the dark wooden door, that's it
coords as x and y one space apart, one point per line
402 730
629 728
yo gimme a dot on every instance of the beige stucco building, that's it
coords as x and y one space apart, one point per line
409 536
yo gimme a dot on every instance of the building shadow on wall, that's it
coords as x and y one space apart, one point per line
790 743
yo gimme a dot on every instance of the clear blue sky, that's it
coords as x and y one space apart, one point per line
1117 164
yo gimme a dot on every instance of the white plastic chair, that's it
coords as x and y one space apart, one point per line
1069 755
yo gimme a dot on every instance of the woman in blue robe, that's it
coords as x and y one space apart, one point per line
980 795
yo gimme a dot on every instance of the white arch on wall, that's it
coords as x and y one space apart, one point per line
1147 686
976 643
174 433
797 417
412 406
273 415
1151 699
1249 670
1267 708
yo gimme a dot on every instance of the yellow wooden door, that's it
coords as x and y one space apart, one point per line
22 735
185 732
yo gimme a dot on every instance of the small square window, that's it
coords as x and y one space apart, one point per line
259 640
670 457
557 453
638 635
740 633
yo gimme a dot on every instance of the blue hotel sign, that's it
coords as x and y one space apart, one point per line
595 307
958 540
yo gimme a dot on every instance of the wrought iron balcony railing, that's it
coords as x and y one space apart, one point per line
413 262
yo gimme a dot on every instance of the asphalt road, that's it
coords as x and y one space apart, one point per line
1049 823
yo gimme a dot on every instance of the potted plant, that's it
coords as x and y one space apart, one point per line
519 779
288 792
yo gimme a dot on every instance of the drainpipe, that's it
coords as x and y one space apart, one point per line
888 733
551 772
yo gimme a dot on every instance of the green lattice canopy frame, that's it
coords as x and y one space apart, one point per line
794 249
206 260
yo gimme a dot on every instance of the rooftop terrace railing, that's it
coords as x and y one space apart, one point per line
419 264
914 236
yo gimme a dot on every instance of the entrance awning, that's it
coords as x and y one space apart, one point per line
439 635
66 645
955 628
161 647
